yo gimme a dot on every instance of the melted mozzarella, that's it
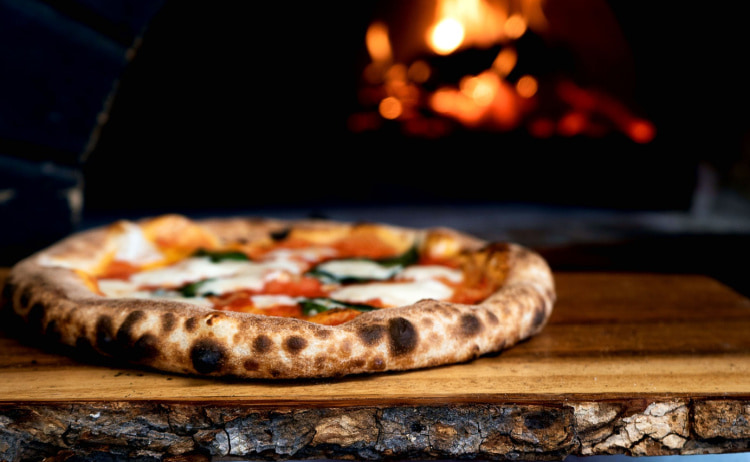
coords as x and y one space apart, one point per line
425 272
393 294
133 246
265 301
359 269
185 271
117 288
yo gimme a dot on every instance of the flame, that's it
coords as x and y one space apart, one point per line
466 23
377 42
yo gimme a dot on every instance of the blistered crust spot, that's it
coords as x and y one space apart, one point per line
146 347
371 334
168 322
295 344
540 315
125 335
208 356
105 335
24 298
251 365
35 317
402 337
191 324
492 318
470 325
377 364
262 344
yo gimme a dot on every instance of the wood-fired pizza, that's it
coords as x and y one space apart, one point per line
266 298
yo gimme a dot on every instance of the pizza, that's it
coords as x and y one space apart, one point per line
267 298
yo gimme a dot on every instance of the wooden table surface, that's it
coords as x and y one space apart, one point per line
642 364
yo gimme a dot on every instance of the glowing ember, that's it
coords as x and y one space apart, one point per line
446 36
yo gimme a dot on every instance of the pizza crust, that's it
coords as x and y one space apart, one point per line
54 302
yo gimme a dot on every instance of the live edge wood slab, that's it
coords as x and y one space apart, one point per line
641 364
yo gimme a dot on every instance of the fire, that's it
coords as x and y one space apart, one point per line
502 97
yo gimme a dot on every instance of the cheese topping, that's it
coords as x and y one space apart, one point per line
358 269
393 294
427 272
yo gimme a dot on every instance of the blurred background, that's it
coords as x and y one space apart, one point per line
606 135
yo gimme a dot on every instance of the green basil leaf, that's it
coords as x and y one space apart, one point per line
219 256
407 258
191 289
312 306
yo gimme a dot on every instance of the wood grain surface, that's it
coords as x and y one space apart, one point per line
629 363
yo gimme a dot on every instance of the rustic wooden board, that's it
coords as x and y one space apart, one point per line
629 363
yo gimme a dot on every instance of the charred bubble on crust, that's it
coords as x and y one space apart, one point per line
125 335
492 318
322 333
146 347
36 315
213 317
7 294
402 336
168 322
251 364
280 234
191 324
377 364
105 335
207 356
540 315
262 344
295 344
52 332
470 325
371 334
24 298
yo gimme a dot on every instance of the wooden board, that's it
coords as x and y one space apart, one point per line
629 363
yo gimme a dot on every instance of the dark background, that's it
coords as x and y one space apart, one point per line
125 109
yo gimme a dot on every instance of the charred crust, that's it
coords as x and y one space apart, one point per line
540 315
146 347
280 234
275 373
295 344
492 318
213 317
24 298
251 364
470 325
35 317
168 322
208 356
402 336
262 344
125 335
52 332
191 324
322 333
7 294
320 361
105 336
377 364
358 362
371 334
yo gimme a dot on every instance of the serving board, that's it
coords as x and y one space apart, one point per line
642 364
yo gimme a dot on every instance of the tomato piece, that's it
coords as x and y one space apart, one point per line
303 287
334 316
117 269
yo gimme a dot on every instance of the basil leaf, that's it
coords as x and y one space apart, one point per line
219 256
328 278
191 289
312 306
407 258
